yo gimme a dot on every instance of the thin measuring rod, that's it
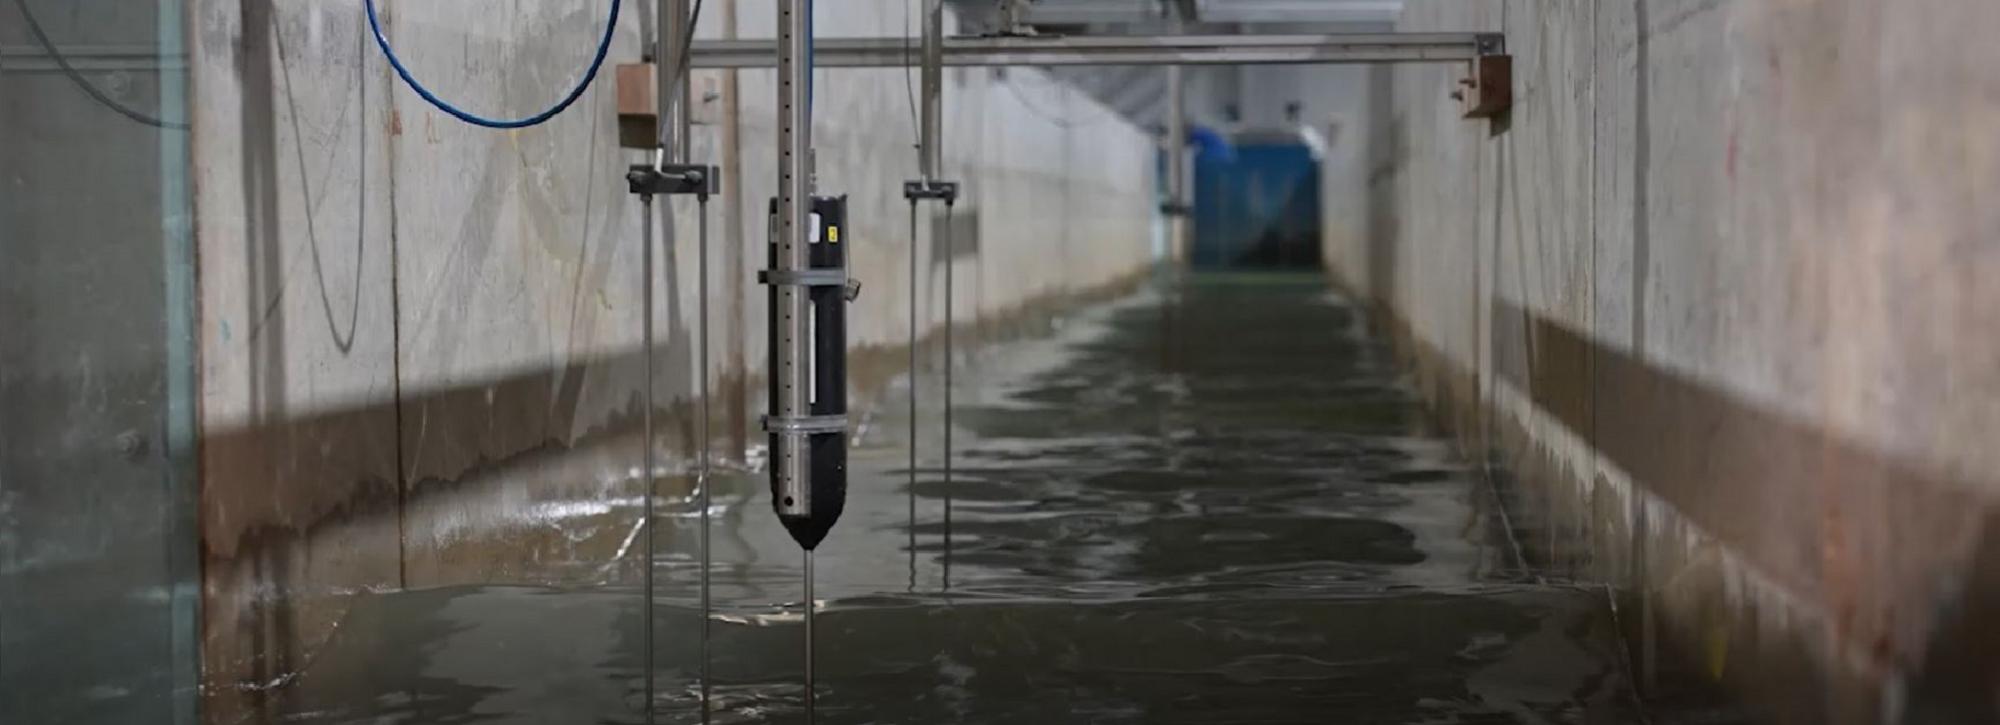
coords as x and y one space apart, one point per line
911 494
646 442
950 260
702 435
811 715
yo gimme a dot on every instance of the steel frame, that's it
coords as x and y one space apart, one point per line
1334 48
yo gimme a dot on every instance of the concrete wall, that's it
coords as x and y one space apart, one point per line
1719 288
418 336
96 508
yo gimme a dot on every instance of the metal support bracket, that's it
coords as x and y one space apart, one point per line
670 179
821 277
1487 91
946 191
1490 43
807 424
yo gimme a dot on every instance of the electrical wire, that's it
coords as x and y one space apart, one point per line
687 48
1058 119
687 43
589 75
84 84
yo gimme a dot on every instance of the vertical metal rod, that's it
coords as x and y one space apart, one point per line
794 207
180 345
912 492
930 156
702 481
1176 144
794 214
646 443
684 107
811 713
1649 680
671 79
950 321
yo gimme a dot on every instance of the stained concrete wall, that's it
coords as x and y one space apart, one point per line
97 573
1718 289
418 336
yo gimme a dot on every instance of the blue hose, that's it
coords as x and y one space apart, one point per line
603 47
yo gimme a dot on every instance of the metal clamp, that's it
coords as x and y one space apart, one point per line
834 277
671 179
922 189
1490 43
806 424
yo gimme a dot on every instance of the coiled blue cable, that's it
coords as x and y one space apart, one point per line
596 62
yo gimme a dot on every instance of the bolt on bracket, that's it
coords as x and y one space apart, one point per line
915 189
673 179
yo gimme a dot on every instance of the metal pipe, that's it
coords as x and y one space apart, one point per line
812 713
649 28
670 35
929 153
950 259
687 99
702 440
1122 50
790 341
646 444
911 494
684 106
1175 149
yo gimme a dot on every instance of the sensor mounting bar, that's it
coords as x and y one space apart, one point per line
1119 50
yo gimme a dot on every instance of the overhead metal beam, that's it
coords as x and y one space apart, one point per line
1098 12
91 57
1303 11
1121 50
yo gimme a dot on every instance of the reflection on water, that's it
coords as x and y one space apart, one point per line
1220 506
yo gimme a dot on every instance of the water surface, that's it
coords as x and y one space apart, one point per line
1218 504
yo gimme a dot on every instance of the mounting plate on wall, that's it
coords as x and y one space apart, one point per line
1488 90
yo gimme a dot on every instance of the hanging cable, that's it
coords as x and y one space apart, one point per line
687 45
84 84
590 74
1059 120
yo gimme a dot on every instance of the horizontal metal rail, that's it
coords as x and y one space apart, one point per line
1088 12
85 57
1118 50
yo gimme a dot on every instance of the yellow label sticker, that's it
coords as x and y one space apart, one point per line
833 234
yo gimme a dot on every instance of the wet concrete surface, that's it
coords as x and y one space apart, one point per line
1216 503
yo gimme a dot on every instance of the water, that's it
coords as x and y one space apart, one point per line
1216 506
